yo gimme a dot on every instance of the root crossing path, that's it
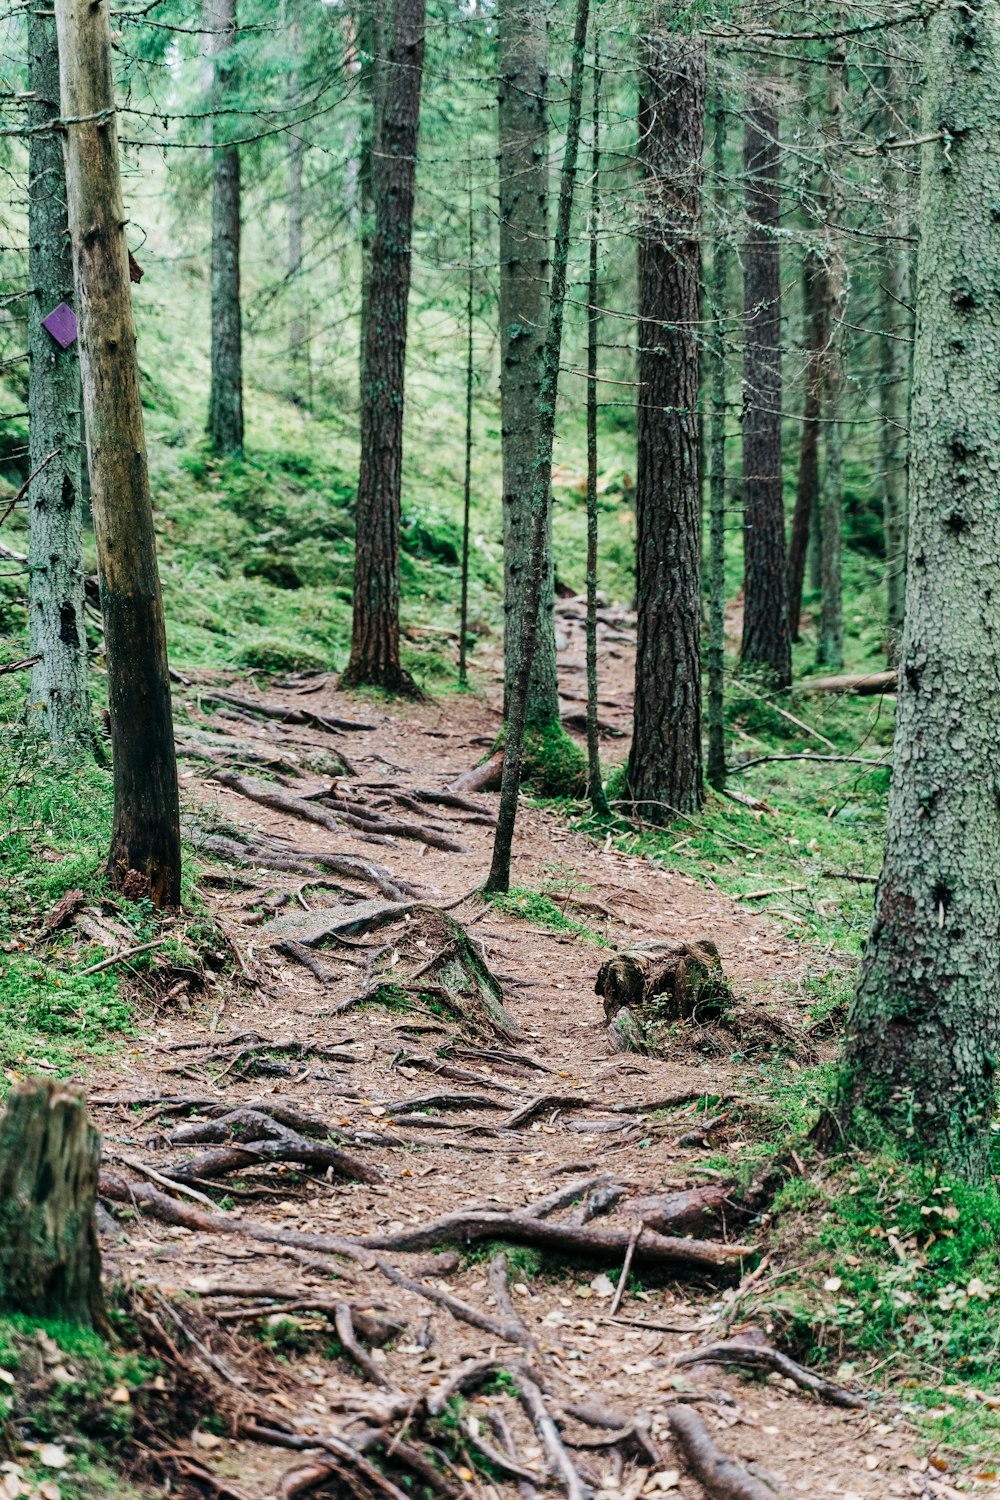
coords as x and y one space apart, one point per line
389 1192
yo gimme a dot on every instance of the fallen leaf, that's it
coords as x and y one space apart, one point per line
53 1456
206 1440
120 1396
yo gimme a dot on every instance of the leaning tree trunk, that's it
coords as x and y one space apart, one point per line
815 310
921 1043
375 656
766 641
145 857
523 67
56 632
541 487
664 767
50 1264
225 403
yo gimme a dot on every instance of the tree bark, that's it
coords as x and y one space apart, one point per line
371 40
896 327
50 1264
717 468
922 1038
463 610
298 334
815 316
499 876
766 641
595 785
522 56
830 646
58 690
225 405
375 658
145 857
664 767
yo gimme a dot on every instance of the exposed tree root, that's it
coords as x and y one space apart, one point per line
269 854
280 711
722 1477
562 1465
269 794
484 778
753 1356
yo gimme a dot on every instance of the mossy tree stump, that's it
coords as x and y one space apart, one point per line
50 1264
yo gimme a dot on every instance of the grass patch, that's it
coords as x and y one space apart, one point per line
541 911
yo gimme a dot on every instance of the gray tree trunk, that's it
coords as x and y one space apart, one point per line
830 646
145 856
922 1039
522 48
58 690
717 466
896 326
225 403
298 333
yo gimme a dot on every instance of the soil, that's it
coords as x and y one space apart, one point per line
583 1354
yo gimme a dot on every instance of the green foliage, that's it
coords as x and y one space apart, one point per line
58 1387
536 907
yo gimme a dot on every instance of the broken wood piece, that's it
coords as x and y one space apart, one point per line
722 1477
692 1210
851 682
484 778
753 1356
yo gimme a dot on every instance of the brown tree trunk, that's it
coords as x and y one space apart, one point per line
225 405
145 857
523 125
375 658
664 768
815 309
766 641
50 1264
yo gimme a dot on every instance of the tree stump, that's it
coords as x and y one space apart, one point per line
674 983
50 1264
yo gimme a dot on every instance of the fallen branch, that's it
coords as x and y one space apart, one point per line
120 958
18 666
722 1477
633 1241
841 760
750 1356
852 682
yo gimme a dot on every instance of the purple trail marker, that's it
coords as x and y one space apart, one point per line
61 324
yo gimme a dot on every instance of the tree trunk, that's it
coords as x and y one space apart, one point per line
375 659
717 468
595 785
56 633
896 328
371 39
298 336
522 54
923 1035
664 766
470 369
830 645
225 404
145 857
815 316
50 1264
766 641
541 488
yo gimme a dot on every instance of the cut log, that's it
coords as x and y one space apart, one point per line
684 982
851 682
50 1264
484 778
677 1213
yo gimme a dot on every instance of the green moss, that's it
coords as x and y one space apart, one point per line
270 653
554 764
541 911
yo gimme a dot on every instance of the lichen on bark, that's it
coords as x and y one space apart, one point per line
921 1040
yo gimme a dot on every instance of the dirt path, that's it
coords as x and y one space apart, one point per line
441 1159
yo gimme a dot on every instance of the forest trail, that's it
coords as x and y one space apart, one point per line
207 1052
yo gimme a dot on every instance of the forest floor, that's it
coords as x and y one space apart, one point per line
528 1120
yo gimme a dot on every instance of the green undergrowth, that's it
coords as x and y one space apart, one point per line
55 829
72 1406
541 911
